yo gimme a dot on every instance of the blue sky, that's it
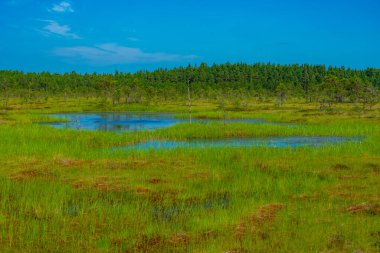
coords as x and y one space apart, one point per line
101 36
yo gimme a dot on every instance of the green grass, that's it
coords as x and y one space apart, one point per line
67 191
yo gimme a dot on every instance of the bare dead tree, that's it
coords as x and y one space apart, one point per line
189 97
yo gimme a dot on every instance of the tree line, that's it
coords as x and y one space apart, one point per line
235 83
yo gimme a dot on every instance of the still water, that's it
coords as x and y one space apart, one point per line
136 121
130 121
276 142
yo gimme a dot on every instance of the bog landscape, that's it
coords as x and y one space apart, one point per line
190 126
113 163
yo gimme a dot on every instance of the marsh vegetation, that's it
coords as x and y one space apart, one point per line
70 190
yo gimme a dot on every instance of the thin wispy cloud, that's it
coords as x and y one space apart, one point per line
133 39
15 3
113 54
53 27
11 2
62 7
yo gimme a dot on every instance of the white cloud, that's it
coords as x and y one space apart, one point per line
112 54
62 7
53 27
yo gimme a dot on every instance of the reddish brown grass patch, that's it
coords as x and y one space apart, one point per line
155 180
179 240
373 209
206 235
149 244
142 190
240 231
340 166
264 215
31 174
101 184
